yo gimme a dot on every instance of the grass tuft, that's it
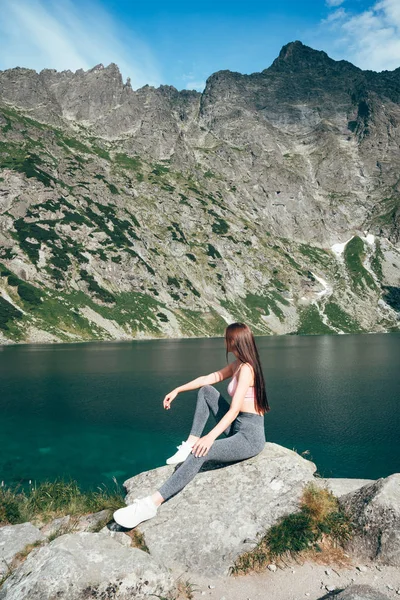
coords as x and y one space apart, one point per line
319 527
52 499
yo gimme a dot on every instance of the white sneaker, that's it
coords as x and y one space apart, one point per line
140 510
184 450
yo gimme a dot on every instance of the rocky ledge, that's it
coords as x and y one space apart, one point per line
200 531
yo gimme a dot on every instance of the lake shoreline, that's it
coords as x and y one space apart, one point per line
11 343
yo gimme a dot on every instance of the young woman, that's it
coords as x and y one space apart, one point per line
242 422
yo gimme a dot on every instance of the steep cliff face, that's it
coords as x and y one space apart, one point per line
271 198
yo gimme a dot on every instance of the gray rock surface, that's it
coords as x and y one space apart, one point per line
13 539
375 511
220 513
87 565
72 524
118 536
358 592
93 521
340 486
56 526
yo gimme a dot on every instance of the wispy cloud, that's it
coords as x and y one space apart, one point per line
369 39
334 2
340 13
57 34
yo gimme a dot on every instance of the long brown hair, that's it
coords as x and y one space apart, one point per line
239 337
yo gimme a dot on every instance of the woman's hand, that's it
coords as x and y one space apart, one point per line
168 399
203 444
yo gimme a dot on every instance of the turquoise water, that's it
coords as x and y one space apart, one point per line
93 411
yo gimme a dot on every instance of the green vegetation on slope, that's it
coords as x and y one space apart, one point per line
8 314
340 319
386 211
267 303
376 262
316 255
21 158
72 243
354 254
311 322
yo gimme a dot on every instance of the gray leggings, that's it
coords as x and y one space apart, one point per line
245 438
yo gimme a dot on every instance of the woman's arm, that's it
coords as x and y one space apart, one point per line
245 377
206 379
198 382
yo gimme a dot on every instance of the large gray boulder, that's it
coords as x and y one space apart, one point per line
222 511
71 524
118 536
87 565
339 486
359 592
375 511
13 539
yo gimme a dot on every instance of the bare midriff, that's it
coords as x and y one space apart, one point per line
249 399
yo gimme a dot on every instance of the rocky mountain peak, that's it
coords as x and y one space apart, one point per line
274 196
109 73
96 68
296 56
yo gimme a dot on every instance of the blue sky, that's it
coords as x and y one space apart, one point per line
182 43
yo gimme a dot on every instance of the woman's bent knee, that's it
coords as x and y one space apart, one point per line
259 448
206 389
